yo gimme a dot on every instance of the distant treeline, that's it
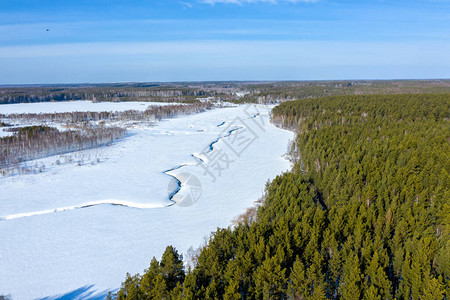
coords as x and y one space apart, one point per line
277 92
152 113
188 92
364 213
113 93
35 142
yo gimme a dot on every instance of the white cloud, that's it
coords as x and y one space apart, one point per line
241 2
185 4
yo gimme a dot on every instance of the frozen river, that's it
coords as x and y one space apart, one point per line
77 230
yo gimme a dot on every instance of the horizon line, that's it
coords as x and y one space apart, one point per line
212 81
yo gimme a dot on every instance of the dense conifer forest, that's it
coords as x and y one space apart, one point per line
363 214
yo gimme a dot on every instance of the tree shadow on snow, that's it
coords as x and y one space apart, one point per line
86 292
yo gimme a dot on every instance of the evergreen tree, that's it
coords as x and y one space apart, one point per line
171 267
190 286
232 291
149 277
159 289
297 280
270 280
351 278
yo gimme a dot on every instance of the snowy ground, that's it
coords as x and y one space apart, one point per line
76 230
4 133
69 106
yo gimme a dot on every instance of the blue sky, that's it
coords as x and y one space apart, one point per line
190 40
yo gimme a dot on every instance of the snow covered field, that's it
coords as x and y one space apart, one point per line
69 106
76 230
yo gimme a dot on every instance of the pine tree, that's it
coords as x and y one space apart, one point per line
148 279
212 290
434 289
378 278
171 267
159 290
371 293
319 293
130 289
177 292
232 290
297 280
270 280
351 283
189 286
